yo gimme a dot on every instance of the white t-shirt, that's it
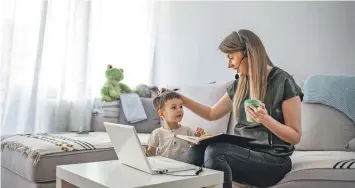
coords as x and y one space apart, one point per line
167 145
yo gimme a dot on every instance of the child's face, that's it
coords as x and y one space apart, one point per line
172 111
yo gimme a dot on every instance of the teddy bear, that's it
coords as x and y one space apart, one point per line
146 91
113 87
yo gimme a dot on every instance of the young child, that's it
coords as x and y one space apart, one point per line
162 141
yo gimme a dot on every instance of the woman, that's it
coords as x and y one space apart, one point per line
278 119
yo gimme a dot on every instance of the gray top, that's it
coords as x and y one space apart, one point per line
281 86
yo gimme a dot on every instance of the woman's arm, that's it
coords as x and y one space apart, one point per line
291 110
221 108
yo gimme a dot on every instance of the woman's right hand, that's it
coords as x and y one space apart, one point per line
162 90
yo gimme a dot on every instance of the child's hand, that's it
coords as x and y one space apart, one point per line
199 132
149 151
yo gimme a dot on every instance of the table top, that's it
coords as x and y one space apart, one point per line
113 173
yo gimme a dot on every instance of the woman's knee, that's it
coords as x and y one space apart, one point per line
219 153
214 155
216 149
195 155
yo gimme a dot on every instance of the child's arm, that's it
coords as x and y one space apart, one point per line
153 143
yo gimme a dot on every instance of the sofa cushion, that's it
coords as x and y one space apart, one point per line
351 145
207 94
317 166
324 128
146 126
113 113
97 122
45 169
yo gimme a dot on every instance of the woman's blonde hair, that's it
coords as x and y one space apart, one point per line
256 80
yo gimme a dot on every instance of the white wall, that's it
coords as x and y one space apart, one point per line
303 38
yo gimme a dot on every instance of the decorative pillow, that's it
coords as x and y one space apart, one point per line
146 126
351 145
207 94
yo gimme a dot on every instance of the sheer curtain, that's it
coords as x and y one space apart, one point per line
54 54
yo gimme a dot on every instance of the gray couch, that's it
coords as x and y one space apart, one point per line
325 131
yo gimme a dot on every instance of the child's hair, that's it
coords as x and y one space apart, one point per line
161 99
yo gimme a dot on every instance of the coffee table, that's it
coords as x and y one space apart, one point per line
113 174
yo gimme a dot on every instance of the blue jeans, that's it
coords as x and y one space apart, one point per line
240 164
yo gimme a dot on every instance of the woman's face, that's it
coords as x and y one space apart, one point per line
238 63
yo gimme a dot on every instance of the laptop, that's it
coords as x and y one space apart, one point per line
131 153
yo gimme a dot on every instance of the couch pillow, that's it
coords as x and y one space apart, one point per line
146 126
207 94
324 128
351 145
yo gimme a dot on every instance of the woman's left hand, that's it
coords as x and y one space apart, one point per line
259 114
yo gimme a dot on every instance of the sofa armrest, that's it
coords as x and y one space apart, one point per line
324 129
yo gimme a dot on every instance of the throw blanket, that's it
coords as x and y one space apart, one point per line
337 91
38 145
132 107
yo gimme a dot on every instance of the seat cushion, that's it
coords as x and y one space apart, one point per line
10 179
316 166
45 169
